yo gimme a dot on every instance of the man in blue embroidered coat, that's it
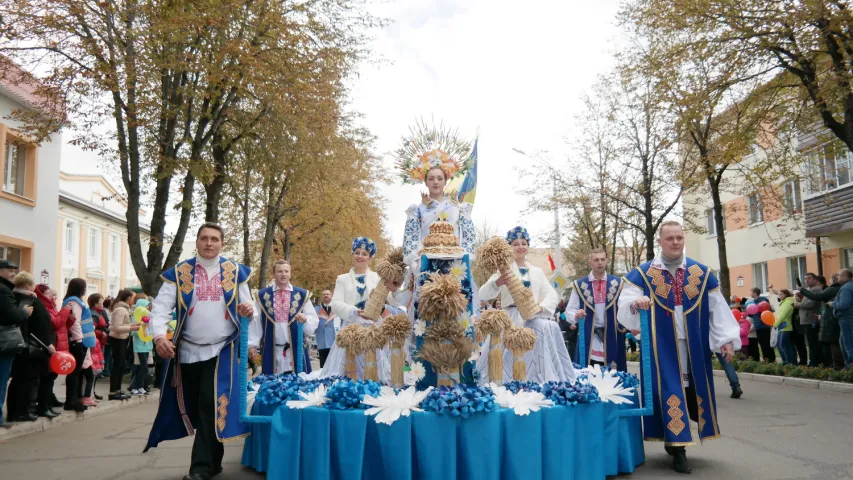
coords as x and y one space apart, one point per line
328 327
199 394
284 316
689 319
593 302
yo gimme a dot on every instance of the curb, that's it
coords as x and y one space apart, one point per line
837 387
42 424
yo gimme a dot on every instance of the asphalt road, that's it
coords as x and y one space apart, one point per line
773 432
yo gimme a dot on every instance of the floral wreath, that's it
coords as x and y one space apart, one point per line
517 233
365 243
414 171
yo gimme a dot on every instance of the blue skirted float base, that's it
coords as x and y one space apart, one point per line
562 442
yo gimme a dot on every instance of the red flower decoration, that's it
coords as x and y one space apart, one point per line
146 319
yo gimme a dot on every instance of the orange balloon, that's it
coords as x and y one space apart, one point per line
768 318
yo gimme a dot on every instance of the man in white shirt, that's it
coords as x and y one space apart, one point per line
210 294
689 319
283 313
594 302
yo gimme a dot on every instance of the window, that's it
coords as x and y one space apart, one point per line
827 167
756 213
793 197
16 168
114 248
94 243
91 288
69 236
11 254
848 258
796 271
710 219
759 276
113 287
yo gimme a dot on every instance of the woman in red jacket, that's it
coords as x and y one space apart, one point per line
61 321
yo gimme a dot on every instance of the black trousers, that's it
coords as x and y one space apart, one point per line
800 342
24 378
815 350
324 353
45 392
72 381
118 347
752 349
200 392
764 341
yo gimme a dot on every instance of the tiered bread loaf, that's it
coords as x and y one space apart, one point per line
441 239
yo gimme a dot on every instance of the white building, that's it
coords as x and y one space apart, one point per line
93 241
29 174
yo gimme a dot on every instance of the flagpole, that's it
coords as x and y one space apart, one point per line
558 254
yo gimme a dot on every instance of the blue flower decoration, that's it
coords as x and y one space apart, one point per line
570 393
348 394
360 305
278 389
360 279
517 233
460 400
360 291
526 283
523 270
628 379
515 386
365 243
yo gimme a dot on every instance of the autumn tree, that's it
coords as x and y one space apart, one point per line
166 79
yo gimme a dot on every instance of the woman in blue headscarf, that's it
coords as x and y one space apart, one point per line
549 360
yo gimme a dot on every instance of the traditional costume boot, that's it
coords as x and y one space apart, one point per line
679 460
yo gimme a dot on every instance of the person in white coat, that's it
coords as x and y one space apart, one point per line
549 360
352 290
689 319
277 308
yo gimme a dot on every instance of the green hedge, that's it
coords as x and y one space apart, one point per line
795 371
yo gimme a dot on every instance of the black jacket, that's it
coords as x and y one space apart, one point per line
10 312
830 331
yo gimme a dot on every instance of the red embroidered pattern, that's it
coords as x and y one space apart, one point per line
207 290
599 291
677 285
282 305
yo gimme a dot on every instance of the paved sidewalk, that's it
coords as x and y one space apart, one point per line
102 387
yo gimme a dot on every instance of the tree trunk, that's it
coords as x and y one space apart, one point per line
244 205
725 283
213 190
287 245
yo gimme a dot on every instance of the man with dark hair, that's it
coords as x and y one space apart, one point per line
843 307
762 331
809 314
210 294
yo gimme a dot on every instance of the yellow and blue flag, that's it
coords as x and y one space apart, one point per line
468 189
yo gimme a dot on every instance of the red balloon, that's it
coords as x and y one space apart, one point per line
768 318
62 363
736 313
763 307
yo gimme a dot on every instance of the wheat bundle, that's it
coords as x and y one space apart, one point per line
447 356
367 341
392 268
519 340
444 329
348 338
494 323
397 329
441 298
496 255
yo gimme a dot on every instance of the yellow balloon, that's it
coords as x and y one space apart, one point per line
144 334
170 329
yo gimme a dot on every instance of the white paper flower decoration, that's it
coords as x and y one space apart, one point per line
458 269
311 399
389 406
418 370
521 403
420 328
609 386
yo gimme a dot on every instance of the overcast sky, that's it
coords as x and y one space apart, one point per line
513 70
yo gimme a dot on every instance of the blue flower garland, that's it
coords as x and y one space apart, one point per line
515 386
460 401
565 393
348 394
279 389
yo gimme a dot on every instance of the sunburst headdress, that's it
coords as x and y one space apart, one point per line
415 170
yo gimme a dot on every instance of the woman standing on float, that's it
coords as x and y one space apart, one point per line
435 168
348 301
549 360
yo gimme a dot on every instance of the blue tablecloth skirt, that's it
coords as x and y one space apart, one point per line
583 442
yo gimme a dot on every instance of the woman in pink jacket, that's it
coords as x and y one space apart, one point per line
745 326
